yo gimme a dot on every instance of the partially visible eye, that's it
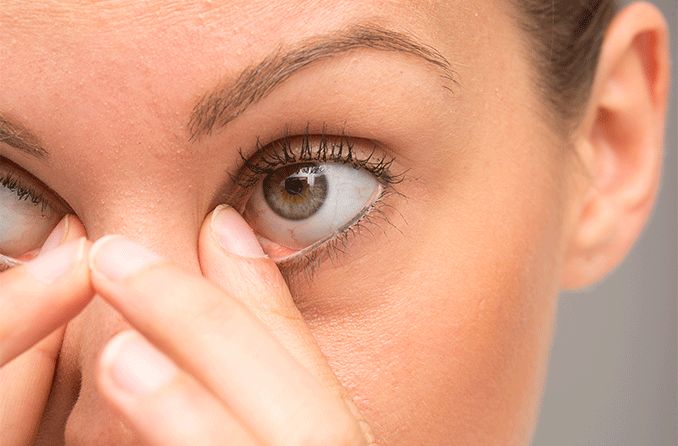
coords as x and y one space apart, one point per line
28 213
299 205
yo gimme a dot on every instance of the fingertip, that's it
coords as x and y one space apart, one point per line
58 263
57 237
95 248
104 380
118 258
232 234
68 229
106 357
75 228
230 252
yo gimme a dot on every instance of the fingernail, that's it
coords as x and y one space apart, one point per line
118 258
49 266
135 366
234 234
57 236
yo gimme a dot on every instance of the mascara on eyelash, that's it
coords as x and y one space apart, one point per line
12 184
312 148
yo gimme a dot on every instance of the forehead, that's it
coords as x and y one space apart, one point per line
171 51
125 72
241 25
250 20
127 44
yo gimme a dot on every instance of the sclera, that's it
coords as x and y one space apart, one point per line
351 191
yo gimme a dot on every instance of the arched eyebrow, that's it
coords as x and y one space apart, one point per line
230 98
19 137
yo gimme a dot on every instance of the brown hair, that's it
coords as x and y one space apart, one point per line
568 34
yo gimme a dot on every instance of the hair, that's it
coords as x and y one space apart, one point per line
569 36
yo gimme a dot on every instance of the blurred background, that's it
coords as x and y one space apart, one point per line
613 376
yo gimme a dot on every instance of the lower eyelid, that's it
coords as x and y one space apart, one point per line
307 261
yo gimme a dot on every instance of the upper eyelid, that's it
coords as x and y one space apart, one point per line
329 148
242 182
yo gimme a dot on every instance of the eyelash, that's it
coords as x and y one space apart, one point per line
324 148
10 181
26 193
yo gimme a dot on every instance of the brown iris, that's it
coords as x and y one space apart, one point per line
296 192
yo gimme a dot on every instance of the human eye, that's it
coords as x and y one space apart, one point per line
306 195
29 211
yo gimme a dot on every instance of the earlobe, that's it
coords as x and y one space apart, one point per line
620 144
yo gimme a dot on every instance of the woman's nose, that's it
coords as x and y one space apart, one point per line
173 233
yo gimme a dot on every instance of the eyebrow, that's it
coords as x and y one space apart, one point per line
20 137
230 98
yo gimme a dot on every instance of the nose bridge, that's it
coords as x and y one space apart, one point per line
169 224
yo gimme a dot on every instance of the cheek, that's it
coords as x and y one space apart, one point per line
448 324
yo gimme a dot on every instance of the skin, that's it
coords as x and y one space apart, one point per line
437 329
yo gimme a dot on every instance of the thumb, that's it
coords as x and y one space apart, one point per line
231 257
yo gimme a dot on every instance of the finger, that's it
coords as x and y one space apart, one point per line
164 405
30 309
231 257
25 384
239 266
40 296
222 344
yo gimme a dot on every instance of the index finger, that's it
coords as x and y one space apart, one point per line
216 339
36 299
42 295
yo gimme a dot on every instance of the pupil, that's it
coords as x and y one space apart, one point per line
295 192
294 186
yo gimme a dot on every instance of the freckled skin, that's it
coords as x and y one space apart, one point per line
438 316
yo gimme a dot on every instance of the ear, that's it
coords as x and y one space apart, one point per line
620 144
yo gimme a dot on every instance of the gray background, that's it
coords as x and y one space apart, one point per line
613 374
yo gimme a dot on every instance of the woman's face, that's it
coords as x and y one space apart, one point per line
435 311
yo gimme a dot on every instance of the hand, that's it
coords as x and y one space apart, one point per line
37 299
227 360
